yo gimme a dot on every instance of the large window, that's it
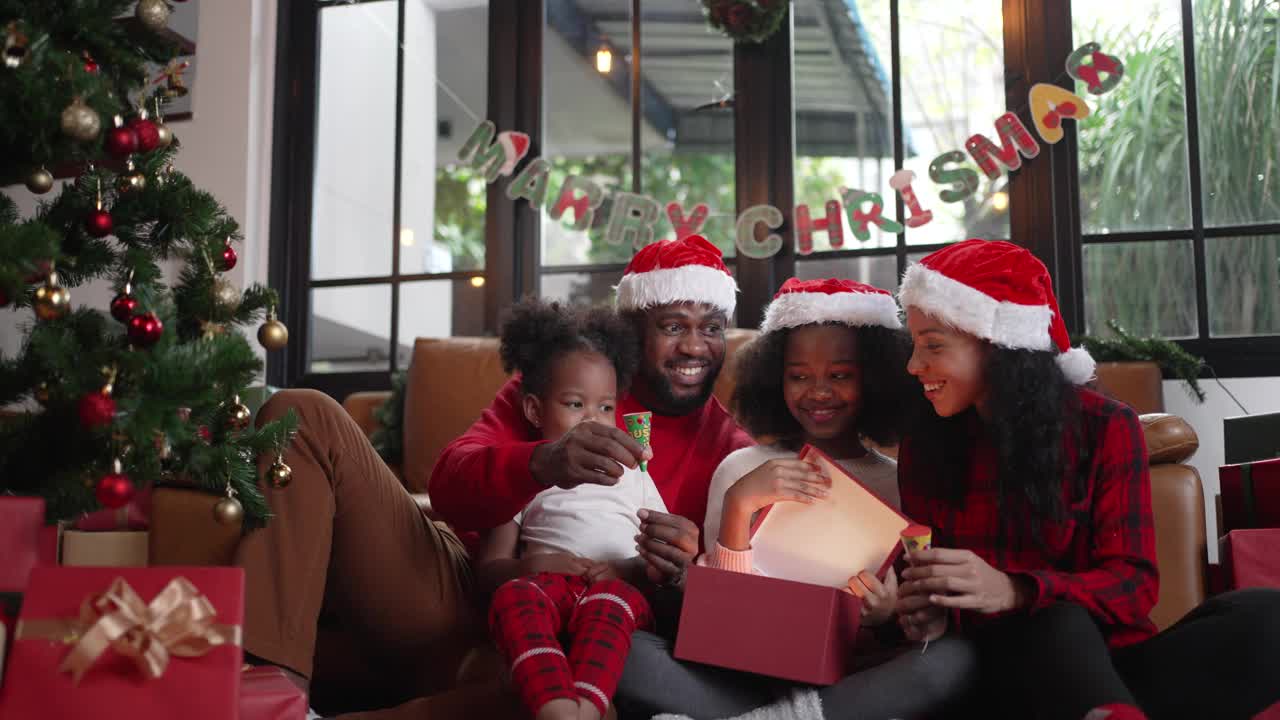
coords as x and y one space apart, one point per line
946 71
1180 171
665 132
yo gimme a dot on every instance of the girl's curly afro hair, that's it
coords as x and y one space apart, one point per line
537 333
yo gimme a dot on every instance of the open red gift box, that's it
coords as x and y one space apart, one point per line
794 620
153 644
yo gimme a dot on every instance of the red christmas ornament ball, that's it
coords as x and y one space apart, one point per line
229 258
90 65
123 306
115 490
147 133
145 329
738 17
99 223
205 434
122 141
96 410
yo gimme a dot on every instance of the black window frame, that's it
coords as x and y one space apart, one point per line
1044 204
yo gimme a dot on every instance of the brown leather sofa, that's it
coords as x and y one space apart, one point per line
452 380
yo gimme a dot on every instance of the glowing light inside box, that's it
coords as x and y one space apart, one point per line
604 60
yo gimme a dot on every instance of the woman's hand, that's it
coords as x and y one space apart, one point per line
879 599
780 480
960 579
921 620
668 543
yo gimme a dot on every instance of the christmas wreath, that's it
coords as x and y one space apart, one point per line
745 20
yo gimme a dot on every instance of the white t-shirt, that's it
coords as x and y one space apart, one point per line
877 472
598 522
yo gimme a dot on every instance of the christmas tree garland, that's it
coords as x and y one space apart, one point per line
146 391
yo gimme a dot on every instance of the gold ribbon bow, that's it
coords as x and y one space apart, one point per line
178 621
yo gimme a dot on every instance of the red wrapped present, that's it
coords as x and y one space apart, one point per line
127 644
1250 495
267 694
795 620
21 519
1251 558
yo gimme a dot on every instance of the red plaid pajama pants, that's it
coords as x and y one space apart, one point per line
528 616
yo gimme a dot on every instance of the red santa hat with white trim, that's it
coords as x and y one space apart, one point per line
807 302
997 291
674 271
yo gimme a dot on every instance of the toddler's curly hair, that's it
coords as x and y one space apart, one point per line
537 333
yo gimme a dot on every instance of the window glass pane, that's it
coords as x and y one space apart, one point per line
1148 288
843 110
880 270
1237 72
688 140
580 288
586 121
1133 147
1244 285
351 211
445 96
350 328
952 87
438 309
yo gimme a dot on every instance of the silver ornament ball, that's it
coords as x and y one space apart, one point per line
153 13
81 122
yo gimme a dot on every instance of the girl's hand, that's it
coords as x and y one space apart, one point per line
921 620
960 579
778 480
879 600
558 563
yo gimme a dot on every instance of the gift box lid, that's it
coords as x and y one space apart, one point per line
829 541
57 592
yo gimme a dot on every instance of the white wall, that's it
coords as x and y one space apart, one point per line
225 147
1258 395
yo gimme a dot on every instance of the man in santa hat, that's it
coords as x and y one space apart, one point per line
680 296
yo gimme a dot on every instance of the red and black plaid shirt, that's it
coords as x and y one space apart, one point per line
1102 556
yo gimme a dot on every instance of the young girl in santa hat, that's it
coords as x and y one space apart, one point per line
1038 493
828 370
561 567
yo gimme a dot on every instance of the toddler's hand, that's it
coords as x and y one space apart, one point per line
601 571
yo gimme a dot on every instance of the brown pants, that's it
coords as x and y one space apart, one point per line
349 549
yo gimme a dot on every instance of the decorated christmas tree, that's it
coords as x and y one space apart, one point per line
147 390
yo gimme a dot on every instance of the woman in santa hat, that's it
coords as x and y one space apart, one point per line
1039 496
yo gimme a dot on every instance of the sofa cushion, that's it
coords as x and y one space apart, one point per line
1177 503
1169 438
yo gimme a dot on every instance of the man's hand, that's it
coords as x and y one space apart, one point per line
668 543
590 452
921 620
960 579
558 563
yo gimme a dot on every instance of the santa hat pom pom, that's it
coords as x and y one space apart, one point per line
1077 365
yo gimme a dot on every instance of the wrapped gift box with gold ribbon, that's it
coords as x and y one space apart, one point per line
135 643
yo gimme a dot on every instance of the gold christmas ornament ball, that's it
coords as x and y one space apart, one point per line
153 13
273 335
239 416
228 511
226 294
279 475
164 134
40 181
131 182
51 301
81 122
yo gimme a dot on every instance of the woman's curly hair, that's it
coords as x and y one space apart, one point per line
538 333
1032 406
760 407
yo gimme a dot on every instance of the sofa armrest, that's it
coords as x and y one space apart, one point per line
361 405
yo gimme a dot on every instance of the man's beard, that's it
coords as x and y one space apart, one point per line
672 404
